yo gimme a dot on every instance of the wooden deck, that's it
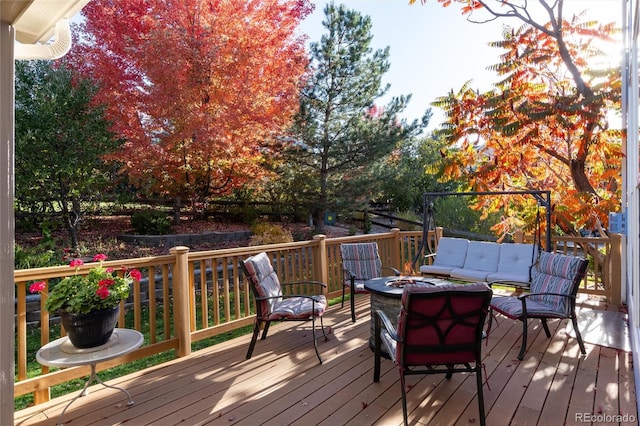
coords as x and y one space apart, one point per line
283 383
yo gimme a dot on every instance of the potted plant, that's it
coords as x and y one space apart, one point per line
88 304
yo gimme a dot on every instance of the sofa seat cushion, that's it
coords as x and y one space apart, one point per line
436 270
469 274
517 279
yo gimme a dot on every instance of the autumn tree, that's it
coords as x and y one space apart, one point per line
62 138
544 125
198 89
339 131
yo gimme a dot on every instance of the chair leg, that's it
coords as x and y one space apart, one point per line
377 348
489 325
546 327
326 339
574 321
523 348
404 398
254 338
480 395
266 330
343 290
315 342
352 299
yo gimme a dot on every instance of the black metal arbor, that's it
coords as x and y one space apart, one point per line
542 197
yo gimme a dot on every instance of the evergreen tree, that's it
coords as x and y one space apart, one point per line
339 131
61 137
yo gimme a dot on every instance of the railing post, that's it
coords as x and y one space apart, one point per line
615 268
181 299
395 249
320 261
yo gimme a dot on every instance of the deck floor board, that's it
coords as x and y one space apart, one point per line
283 383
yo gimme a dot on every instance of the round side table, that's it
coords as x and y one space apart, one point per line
61 353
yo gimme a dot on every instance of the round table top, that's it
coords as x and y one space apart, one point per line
393 286
61 353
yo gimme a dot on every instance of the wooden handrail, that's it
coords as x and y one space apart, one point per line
209 296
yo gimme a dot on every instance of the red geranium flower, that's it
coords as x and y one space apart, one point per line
37 287
76 262
107 282
103 292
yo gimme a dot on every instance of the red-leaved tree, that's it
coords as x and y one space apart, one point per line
197 89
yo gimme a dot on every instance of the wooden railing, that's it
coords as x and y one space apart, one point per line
189 296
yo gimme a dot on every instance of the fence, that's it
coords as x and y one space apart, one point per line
186 297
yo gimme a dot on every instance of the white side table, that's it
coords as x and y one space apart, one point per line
61 353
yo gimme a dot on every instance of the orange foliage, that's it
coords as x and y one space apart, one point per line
536 130
196 88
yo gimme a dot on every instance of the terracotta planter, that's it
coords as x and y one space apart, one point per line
92 329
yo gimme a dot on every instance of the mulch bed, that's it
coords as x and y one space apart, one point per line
100 235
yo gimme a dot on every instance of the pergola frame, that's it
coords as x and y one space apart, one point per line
543 198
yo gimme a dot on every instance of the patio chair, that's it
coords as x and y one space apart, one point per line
273 305
360 262
555 279
439 331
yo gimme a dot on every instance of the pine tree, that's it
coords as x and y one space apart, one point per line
339 130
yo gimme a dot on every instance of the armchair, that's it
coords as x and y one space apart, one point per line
439 331
273 305
555 279
360 262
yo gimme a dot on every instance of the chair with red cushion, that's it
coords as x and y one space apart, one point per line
273 305
360 262
555 279
439 332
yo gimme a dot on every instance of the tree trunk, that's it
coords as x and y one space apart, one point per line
72 218
580 178
177 204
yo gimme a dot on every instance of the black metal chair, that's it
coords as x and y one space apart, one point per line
273 305
555 279
439 332
360 262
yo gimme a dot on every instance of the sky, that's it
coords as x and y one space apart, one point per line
434 49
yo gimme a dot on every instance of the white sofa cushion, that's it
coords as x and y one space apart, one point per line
468 274
451 254
436 270
482 256
514 263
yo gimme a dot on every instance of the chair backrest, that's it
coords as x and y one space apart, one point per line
557 273
451 252
442 324
263 281
362 260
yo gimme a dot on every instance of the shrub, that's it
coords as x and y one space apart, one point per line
244 213
150 222
35 257
267 233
